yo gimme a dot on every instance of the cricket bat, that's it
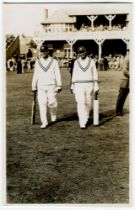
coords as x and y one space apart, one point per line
33 114
95 109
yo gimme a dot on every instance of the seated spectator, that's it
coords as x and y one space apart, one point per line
100 64
110 62
11 64
116 62
24 65
121 62
101 27
124 28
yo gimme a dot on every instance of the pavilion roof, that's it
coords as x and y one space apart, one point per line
59 16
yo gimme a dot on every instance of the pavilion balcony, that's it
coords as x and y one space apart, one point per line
80 35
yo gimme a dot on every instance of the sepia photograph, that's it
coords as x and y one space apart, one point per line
67 69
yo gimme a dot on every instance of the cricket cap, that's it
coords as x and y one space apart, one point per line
81 49
44 48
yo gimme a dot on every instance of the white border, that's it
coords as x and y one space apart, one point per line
2 127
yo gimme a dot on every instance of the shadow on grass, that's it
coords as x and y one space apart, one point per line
108 116
70 117
104 117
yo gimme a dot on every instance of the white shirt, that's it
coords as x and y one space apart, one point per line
84 76
50 76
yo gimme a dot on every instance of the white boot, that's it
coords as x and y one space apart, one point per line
53 112
82 125
53 118
44 125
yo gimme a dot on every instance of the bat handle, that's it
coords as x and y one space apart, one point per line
35 94
96 95
96 109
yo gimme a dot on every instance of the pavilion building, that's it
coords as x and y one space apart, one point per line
104 30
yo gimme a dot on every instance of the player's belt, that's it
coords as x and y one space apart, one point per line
84 81
47 67
86 67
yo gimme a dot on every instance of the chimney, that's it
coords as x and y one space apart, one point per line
45 14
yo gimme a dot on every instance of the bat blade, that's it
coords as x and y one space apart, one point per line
33 114
96 109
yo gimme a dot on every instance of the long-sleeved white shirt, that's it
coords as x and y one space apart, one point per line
50 76
84 75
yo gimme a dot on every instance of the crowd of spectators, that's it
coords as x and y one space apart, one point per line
107 62
101 27
110 62
87 27
21 63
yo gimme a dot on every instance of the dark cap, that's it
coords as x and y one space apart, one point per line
44 48
81 49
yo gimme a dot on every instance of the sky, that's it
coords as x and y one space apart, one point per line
22 18
26 18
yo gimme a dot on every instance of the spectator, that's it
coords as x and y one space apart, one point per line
121 61
105 63
29 54
19 66
124 87
71 65
100 64
11 64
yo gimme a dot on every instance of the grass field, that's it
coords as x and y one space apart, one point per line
64 164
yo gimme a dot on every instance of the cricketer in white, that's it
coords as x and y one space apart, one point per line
84 82
47 81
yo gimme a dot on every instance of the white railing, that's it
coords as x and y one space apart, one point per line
84 35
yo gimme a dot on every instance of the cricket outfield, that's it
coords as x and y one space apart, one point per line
62 163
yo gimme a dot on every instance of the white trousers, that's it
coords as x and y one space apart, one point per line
47 98
82 93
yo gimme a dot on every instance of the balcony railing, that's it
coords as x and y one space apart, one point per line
84 35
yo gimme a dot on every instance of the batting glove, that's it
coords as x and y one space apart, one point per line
58 89
34 90
96 87
72 89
